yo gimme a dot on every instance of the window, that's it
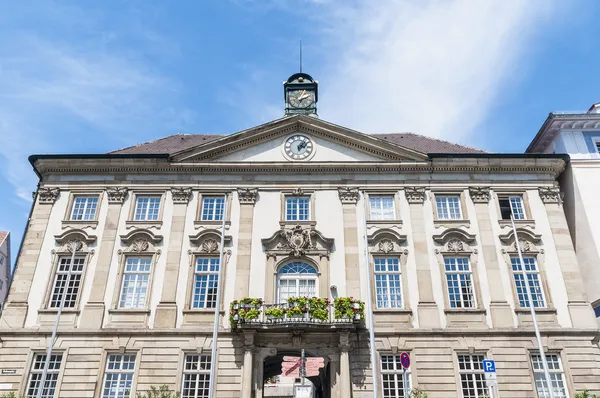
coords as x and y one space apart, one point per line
118 375
472 377
297 209
65 285
597 311
388 289
146 208
212 208
533 276
393 377
512 205
196 376
206 276
84 208
382 208
459 282
136 276
448 207
35 376
296 279
556 376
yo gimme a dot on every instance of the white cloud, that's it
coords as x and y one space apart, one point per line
433 67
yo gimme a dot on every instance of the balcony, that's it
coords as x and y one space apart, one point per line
316 312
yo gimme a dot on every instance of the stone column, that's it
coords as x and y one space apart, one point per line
247 366
580 310
500 311
247 198
166 311
349 199
93 312
334 374
15 311
345 383
429 316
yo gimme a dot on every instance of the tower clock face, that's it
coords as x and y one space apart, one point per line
301 98
299 147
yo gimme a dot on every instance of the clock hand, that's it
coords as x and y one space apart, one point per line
302 145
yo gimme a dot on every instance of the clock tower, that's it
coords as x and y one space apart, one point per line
301 95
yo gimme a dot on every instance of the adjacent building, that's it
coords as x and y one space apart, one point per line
578 135
4 265
416 229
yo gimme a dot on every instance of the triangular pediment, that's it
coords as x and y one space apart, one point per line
266 143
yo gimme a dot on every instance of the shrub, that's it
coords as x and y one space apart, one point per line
160 392
586 394
275 312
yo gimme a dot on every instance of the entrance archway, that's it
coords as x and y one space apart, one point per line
272 368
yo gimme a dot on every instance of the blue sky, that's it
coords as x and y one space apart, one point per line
90 77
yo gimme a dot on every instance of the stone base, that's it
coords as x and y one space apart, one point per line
14 315
429 315
582 315
166 316
502 315
92 316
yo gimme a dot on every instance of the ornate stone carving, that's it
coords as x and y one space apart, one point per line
67 240
48 195
297 240
116 194
550 194
72 244
480 194
455 245
415 194
298 192
140 245
247 196
386 246
209 246
348 195
524 245
344 341
181 195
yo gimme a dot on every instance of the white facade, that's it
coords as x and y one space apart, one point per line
578 135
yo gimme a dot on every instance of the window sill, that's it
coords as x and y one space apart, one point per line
452 223
55 310
385 222
80 224
143 224
136 311
527 311
397 311
464 311
200 223
517 222
202 311
289 222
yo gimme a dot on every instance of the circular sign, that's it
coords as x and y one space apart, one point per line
405 360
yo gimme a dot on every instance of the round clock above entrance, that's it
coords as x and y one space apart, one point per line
301 95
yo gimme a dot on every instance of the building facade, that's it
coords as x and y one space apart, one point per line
416 229
4 265
578 135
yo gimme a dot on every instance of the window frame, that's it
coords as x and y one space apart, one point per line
433 195
31 362
472 277
563 371
193 372
297 193
472 371
56 274
397 372
62 253
541 281
87 201
392 197
448 207
149 281
214 212
400 273
105 362
67 218
299 209
194 274
135 195
526 209
297 277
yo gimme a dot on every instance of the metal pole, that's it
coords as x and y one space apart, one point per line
302 366
532 308
404 382
55 330
215 336
369 306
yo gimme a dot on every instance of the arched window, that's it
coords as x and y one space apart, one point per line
296 279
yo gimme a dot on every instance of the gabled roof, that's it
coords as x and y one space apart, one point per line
179 143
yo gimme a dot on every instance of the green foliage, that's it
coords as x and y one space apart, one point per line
320 314
11 395
348 307
275 312
249 314
248 308
586 394
418 393
160 392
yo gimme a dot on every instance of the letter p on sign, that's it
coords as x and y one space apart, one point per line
489 366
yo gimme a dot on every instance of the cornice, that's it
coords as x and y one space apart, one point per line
557 122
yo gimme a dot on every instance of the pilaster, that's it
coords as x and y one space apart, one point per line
349 199
429 316
247 198
92 315
15 311
500 311
249 336
166 310
345 388
581 312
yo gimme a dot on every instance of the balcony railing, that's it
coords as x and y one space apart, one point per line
249 312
